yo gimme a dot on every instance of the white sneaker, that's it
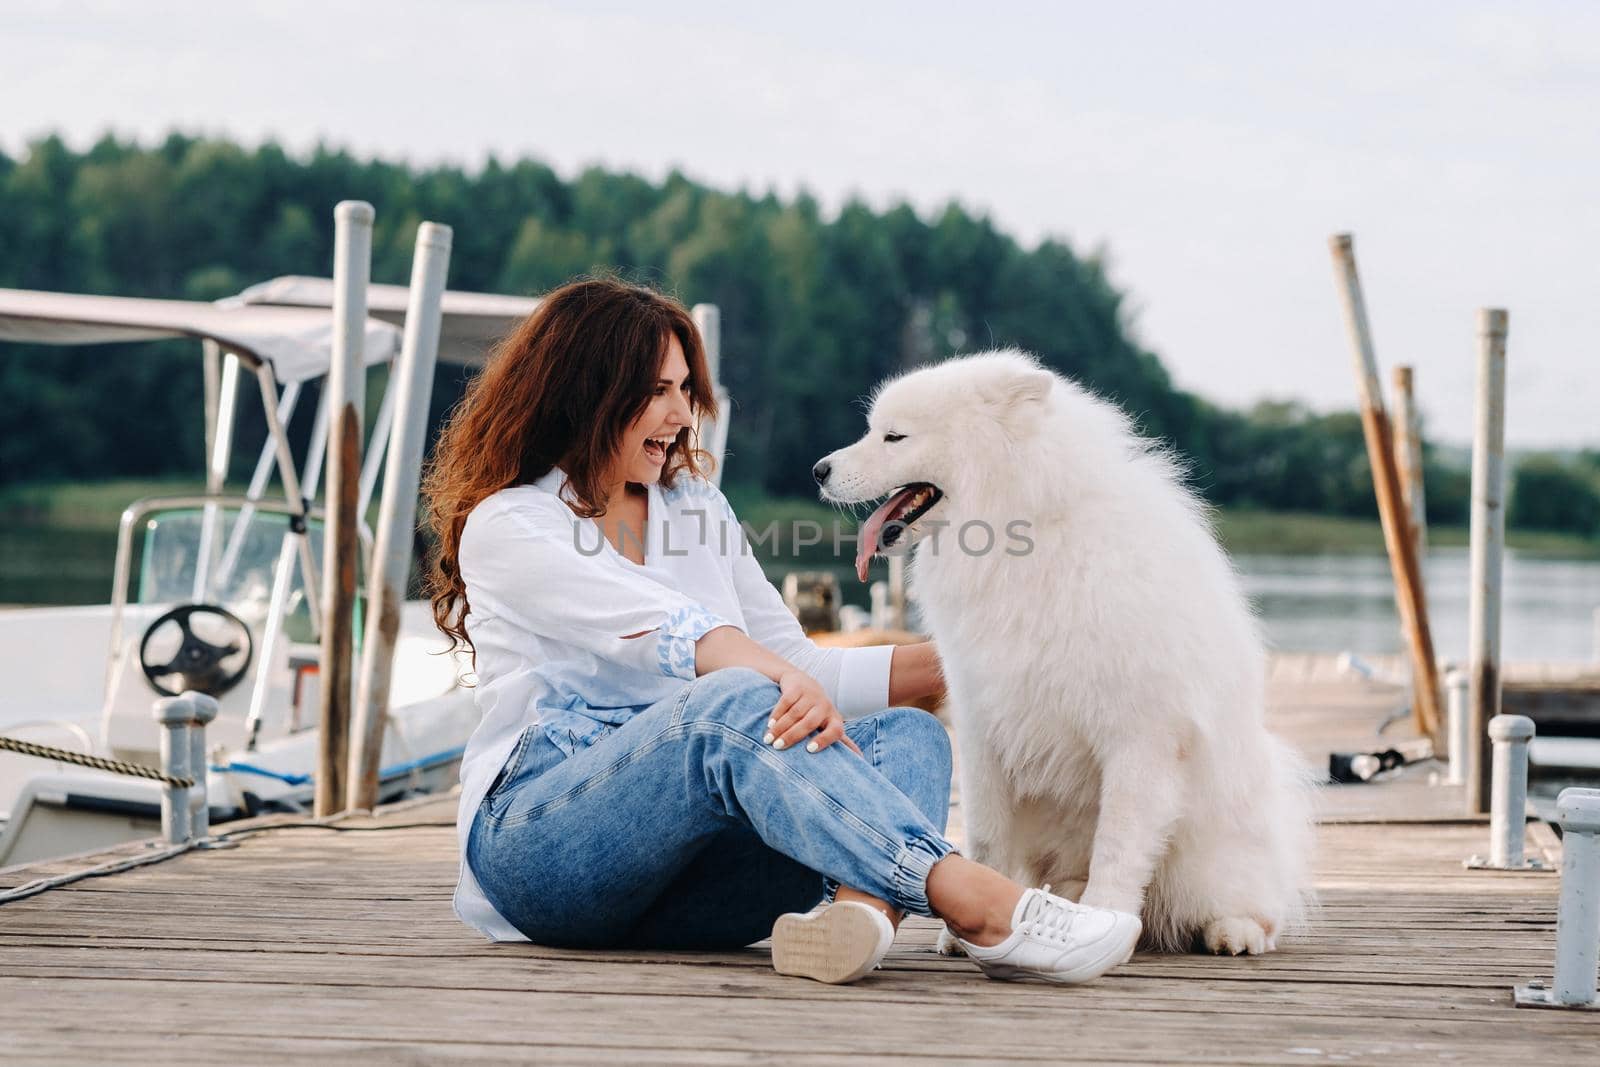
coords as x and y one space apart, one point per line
838 944
1059 941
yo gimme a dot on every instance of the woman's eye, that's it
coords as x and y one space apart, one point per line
891 438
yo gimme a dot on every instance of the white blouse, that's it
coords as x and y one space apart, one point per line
552 608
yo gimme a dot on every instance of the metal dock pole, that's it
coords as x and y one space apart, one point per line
352 271
1488 549
1578 916
712 434
174 714
1508 811
397 511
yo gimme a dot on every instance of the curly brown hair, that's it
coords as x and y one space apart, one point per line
559 391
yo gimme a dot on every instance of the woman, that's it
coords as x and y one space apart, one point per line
663 759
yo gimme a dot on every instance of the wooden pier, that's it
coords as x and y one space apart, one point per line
315 945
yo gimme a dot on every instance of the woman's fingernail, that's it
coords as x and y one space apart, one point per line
778 743
767 740
812 747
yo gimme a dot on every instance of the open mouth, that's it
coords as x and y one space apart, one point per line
886 526
656 447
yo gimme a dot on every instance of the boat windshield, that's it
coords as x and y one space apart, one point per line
245 556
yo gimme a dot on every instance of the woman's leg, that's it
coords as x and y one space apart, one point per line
907 746
581 853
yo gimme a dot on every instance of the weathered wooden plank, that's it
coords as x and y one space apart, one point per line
1066 1024
342 945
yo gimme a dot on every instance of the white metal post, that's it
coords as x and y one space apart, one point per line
173 714
713 433
283 578
1578 922
1508 811
297 500
1578 914
1488 547
217 467
397 511
202 711
211 383
258 485
352 273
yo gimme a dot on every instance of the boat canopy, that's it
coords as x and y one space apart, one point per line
472 322
295 342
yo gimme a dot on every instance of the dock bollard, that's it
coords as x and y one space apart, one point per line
1578 917
1508 796
175 714
1457 687
202 710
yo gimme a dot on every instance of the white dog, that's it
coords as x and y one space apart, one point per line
1105 672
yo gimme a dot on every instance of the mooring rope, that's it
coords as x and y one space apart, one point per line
115 766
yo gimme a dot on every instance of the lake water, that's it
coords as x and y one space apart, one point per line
1342 603
1306 603
1328 603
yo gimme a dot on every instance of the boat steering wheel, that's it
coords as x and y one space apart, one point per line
212 664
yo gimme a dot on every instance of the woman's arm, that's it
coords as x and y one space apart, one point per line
914 673
803 709
728 646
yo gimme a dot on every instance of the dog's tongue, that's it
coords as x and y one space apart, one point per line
867 543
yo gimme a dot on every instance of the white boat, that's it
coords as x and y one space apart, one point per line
216 591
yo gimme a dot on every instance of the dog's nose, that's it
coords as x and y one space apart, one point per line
821 471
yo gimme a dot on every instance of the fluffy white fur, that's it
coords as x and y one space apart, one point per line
1107 685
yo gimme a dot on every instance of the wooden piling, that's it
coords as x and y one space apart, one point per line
1403 562
1408 461
1408 464
397 511
352 270
1488 551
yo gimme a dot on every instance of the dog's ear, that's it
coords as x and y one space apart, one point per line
1018 389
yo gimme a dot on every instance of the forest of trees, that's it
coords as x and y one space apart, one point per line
817 307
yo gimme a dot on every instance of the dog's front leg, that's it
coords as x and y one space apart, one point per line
986 806
1140 797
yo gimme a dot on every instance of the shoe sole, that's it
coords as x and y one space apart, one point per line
1120 952
835 945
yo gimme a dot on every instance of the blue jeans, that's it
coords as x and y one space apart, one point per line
683 830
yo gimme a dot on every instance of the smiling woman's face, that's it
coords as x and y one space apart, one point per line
659 428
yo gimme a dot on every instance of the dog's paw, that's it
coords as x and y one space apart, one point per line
947 944
1239 936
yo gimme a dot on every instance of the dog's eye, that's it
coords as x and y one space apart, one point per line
891 438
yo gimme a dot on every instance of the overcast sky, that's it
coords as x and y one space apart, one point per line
1211 148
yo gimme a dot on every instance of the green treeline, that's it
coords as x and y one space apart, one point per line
816 309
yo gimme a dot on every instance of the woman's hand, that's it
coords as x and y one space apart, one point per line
804 709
